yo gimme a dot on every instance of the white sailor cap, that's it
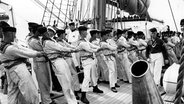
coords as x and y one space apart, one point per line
51 28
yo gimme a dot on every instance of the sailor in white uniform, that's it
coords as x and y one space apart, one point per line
73 38
21 87
94 72
55 52
87 61
109 57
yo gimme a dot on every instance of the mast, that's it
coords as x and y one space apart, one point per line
100 14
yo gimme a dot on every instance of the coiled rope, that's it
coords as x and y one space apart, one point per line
179 86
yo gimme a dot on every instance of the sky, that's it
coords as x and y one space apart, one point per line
28 11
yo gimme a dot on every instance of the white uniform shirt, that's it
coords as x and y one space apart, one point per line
122 41
73 36
52 46
15 51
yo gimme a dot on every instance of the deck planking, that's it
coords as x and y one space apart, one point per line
123 96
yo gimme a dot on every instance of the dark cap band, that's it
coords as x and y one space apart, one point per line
72 24
182 22
42 30
32 24
4 24
82 28
9 29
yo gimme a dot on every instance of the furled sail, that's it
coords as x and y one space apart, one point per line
138 7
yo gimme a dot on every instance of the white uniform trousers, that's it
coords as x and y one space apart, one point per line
94 73
111 64
126 63
21 87
74 58
41 69
75 80
156 64
63 74
87 66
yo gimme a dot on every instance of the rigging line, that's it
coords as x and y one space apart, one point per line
146 17
80 17
72 10
59 11
67 10
41 4
172 15
51 11
86 10
44 12
76 10
33 1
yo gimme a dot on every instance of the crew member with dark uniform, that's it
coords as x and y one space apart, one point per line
157 55
22 89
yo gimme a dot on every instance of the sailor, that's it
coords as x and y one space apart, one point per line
142 45
56 86
72 35
32 29
109 57
94 72
87 61
123 54
132 51
157 55
3 77
182 25
22 89
68 57
169 47
2 24
61 69
73 38
41 66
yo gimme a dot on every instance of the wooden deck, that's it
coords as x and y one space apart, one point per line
124 96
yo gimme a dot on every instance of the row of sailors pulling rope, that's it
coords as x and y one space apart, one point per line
63 54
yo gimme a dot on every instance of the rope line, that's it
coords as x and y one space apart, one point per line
179 86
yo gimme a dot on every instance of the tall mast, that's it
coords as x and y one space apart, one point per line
100 14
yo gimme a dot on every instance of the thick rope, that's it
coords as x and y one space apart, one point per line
179 86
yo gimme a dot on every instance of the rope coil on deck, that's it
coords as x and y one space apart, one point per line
179 86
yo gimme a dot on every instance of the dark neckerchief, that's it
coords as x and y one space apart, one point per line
73 30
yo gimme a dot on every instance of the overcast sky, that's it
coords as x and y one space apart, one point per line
27 11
